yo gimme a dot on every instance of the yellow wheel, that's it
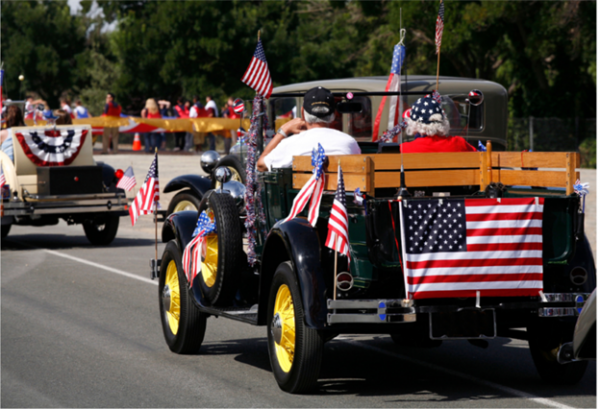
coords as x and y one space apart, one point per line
182 201
295 350
285 338
222 251
183 323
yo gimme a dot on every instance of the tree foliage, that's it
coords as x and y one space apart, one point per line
544 53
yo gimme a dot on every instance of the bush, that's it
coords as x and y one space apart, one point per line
588 153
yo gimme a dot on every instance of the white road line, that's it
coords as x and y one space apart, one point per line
112 270
515 392
506 389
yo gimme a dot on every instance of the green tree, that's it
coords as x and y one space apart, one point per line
42 41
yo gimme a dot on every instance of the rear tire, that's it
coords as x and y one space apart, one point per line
184 325
295 350
102 230
545 339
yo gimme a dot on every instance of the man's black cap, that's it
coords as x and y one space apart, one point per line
319 102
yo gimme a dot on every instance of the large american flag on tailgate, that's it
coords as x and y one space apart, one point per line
148 195
257 75
458 247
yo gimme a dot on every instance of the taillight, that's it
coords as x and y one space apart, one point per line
119 173
578 276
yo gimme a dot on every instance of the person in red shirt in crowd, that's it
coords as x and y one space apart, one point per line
181 111
151 111
428 120
111 109
228 112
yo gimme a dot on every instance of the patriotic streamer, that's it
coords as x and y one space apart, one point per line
582 189
389 135
312 190
51 147
254 209
192 255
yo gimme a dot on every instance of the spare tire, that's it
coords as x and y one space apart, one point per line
223 254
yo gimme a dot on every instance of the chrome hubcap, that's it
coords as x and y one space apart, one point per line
166 298
276 329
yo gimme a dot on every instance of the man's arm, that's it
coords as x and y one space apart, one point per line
289 128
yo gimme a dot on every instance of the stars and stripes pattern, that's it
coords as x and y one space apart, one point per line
439 27
257 74
149 194
337 236
458 247
393 85
49 147
312 190
192 254
127 181
238 106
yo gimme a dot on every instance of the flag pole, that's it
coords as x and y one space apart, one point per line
437 77
155 216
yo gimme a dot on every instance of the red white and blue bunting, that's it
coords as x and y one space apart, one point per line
52 147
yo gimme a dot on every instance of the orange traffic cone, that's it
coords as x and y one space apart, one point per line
137 144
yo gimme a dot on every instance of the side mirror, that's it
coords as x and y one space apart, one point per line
475 97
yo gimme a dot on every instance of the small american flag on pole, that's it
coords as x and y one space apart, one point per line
127 181
192 255
257 74
313 190
458 247
439 27
337 236
148 195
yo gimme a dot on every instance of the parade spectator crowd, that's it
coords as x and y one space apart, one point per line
38 109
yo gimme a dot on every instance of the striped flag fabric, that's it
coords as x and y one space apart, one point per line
312 190
2 177
238 106
257 74
192 254
393 85
459 247
439 27
337 236
148 195
127 181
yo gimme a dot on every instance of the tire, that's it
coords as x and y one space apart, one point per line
545 339
238 173
295 350
224 254
101 230
182 322
184 200
5 230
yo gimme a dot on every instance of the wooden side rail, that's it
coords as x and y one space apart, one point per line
382 170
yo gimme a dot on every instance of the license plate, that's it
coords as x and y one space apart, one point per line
465 324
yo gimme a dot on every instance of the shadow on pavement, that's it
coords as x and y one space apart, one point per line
18 242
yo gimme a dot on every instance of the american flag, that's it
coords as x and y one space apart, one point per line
2 178
393 85
313 190
192 253
458 247
127 181
337 236
148 195
257 74
238 106
439 27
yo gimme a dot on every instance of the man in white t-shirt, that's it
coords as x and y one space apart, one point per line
318 110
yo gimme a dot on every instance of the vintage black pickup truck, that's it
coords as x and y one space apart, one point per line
529 284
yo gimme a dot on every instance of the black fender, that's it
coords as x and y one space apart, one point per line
199 185
179 226
298 242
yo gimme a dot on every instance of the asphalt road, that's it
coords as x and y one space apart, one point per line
80 328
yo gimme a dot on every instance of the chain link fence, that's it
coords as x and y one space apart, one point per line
554 135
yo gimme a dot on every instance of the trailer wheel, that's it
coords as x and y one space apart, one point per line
223 253
545 340
101 231
5 230
184 200
182 322
295 350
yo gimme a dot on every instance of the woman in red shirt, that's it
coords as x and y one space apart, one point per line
427 118
151 140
